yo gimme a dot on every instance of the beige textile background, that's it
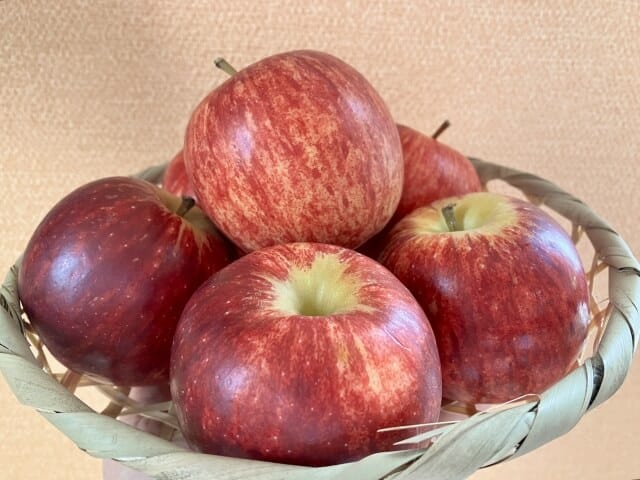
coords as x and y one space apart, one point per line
89 89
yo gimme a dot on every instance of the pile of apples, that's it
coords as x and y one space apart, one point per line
326 273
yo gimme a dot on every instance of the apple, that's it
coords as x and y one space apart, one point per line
107 273
297 147
299 353
503 287
432 170
175 179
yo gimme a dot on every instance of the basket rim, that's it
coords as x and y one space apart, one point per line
513 430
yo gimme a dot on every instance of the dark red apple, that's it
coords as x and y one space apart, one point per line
175 178
504 288
432 170
107 273
299 353
296 147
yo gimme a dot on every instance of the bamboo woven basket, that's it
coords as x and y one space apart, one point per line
457 449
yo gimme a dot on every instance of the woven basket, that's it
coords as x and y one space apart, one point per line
458 449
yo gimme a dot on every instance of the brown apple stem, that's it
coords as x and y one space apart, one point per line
186 205
450 217
225 66
446 124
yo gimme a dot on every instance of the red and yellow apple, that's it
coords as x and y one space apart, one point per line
503 287
432 171
299 353
107 273
296 147
175 179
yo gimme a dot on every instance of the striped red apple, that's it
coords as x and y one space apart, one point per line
296 147
299 353
175 179
432 170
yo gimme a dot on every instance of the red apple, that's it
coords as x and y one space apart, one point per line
175 178
432 170
504 288
296 147
107 273
299 353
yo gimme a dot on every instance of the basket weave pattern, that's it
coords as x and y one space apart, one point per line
459 448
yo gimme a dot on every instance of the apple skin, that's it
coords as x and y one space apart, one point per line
432 171
297 147
107 273
175 179
507 297
253 376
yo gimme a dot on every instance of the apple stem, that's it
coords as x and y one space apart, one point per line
450 217
186 205
225 66
446 124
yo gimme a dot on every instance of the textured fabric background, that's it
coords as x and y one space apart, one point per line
89 89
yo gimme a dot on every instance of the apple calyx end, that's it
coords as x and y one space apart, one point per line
225 66
446 124
186 204
450 217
